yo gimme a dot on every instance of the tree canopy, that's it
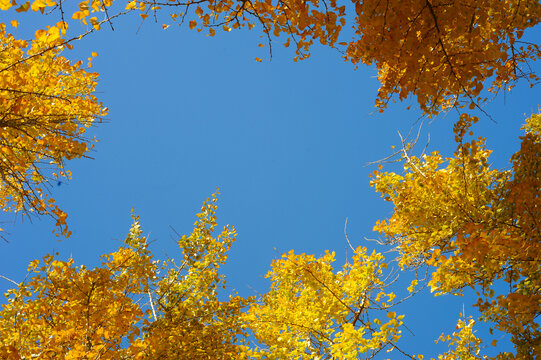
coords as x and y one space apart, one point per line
46 104
475 226
468 224
443 53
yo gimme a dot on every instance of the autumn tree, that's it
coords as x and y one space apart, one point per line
476 227
313 311
130 306
441 52
135 307
472 225
46 105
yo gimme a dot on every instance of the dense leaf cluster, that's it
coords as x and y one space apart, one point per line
472 225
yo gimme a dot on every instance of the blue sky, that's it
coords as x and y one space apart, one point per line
287 144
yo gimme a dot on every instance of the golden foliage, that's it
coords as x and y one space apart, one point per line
130 306
444 51
135 307
476 226
466 346
313 312
193 323
439 51
46 105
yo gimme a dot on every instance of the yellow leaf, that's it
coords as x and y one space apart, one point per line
193 24
95 23
144 16
286 44
24 7
131 5
63 26
40 35
5 4
258 59
78 15
37 5
14 23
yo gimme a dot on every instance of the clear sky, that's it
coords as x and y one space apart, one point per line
287 144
